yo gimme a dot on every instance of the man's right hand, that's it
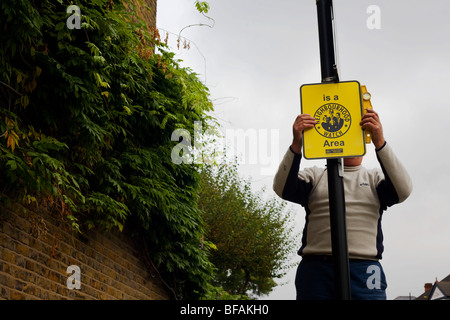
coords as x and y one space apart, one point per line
302 122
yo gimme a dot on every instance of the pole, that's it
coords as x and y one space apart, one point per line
335 181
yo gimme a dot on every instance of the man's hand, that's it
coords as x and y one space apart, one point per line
371 122
302 122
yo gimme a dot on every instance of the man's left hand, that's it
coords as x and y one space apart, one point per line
371 121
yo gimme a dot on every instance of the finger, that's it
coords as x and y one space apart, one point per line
302 117
305 118
309 123
368 121
374 118
371 113
370 117
309 120
370 125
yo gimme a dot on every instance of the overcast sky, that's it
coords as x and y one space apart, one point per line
258 54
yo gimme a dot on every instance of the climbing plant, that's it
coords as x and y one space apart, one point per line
86 117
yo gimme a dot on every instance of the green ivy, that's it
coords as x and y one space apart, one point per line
86 117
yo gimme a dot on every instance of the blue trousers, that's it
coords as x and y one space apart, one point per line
315 280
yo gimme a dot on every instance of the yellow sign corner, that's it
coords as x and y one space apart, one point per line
337 109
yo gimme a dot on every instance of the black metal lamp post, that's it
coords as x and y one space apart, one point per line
335 180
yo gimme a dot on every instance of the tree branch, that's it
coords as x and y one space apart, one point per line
11 88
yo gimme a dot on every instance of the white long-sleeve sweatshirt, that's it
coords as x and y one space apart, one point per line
367 194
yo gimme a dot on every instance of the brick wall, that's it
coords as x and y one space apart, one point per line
37 247
149 16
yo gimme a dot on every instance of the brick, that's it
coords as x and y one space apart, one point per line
19 285
17 295
8 243
22 249
32 290
20 261
4 293
8 256
55 276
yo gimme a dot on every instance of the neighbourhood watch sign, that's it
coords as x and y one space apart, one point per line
338 111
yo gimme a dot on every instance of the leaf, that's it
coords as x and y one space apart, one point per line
12 140
38 71
127 110
202 6
12 164
9 122
60 26
211 245
24 100
11 143
31 85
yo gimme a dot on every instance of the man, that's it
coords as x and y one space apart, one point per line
367 194
337 122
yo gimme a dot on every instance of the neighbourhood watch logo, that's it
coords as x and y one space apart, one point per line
333 120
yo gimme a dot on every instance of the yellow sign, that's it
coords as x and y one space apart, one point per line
366 105
338 111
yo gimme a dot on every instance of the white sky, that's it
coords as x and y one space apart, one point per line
260 52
